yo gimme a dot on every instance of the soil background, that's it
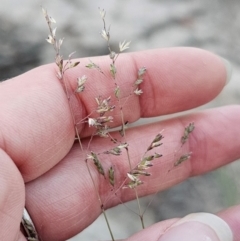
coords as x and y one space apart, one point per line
208 24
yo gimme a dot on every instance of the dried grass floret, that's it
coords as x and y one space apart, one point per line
156 142
117 150
124 45
182 158
80 83
188 129
93 156
111 176
140 76
104 105
144 164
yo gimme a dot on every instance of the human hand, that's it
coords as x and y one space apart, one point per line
43 170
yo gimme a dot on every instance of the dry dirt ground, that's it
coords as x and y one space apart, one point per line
211 25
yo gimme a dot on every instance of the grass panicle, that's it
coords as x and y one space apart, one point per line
101 118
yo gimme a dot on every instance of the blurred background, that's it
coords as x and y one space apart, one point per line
209 24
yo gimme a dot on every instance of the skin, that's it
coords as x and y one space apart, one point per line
42 167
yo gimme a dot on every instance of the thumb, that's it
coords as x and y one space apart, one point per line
198 227
12 198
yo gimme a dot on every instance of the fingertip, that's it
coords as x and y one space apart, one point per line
180 79
200 226
229 70
232 217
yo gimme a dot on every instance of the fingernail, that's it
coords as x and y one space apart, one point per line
198 227
228 67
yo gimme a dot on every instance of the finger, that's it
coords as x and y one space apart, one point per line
12 198
177 79
201 226
36 123
36 128
63 201
153 232
232 217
